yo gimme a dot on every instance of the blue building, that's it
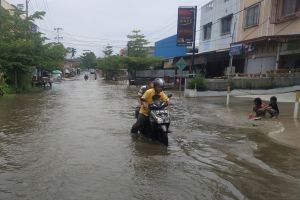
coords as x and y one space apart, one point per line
166 48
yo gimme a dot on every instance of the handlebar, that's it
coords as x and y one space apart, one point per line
154 106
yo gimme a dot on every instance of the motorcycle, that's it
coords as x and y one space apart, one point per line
157 127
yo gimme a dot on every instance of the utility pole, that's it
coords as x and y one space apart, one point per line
27 8
229 71
58 37
194 39
0 13
27 15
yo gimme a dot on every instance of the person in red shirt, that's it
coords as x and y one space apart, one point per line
259 109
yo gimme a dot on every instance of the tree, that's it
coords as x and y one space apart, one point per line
136 46
112 64
108 51
137 58
88 60
22 49
137 63
53 57
71 51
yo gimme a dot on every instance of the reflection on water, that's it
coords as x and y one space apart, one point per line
73 142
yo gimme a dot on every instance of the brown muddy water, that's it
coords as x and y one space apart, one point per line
73 142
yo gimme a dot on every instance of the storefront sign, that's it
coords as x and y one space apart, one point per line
236 50
185 27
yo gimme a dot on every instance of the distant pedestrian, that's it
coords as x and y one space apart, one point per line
273 109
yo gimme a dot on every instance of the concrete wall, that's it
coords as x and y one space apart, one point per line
155 73
213 14
253 83
266 83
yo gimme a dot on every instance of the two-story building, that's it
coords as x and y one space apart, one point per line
218 29
218 25
269 31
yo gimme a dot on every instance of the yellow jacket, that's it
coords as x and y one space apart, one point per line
147 97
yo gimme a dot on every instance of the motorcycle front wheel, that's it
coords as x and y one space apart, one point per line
164 135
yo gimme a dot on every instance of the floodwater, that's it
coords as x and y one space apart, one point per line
73 142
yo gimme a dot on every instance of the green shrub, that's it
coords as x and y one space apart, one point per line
199 82
4 89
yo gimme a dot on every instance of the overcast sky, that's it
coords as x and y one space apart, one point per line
91 24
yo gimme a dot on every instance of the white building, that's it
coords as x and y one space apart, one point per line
218 24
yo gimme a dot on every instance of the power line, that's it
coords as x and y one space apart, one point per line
45 2
84 39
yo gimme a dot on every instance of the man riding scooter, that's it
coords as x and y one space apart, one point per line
146 100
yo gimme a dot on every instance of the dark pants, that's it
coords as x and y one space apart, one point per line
140 122
272 112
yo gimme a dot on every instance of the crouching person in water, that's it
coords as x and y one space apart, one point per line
259 109
273 109
146 100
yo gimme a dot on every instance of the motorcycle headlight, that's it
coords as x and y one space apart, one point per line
160 120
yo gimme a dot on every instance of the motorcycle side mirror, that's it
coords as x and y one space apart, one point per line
170 95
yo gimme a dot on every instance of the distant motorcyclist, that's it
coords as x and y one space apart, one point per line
86 77
146 100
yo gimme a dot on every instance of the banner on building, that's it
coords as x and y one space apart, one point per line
236 50
185 26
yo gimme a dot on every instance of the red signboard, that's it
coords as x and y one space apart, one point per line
185 27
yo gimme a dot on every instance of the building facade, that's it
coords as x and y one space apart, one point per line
218 29
167 48
218 25
269 31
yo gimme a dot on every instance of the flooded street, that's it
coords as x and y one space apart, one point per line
74 142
